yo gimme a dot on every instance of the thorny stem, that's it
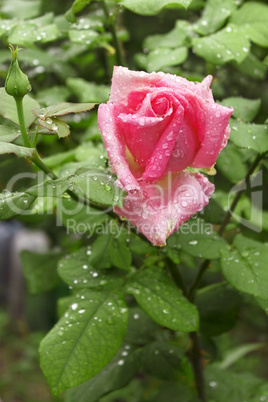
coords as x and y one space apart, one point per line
195 352
117 45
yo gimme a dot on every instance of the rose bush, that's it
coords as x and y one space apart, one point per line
154 127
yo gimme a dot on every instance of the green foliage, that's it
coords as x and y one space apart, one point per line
77 271
250 136
12 204
40 270
245 266
115 375
8 108
152 7
198 244
254 16
214 15
21 152
162 359
86 338
126 312
244 109
229 44
158 296
218 309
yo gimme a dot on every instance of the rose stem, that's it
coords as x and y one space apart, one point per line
117 45
195 353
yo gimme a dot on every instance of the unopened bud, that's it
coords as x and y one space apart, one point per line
17 83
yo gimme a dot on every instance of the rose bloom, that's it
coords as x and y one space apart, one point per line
154 127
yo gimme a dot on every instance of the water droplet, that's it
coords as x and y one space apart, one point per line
74 306
213 384
193 242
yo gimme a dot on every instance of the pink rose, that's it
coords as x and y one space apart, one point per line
154 126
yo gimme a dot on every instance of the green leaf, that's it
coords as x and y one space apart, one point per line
117 374
111 248
231 164
176 392
8 108
118 249
25 34
77 6
95 156
159 58
6 26
235 354
141 328
252 67
245 267
21 152
159 297
50 188
58 159
218 308
244 109
22 8
88 37
152 7
250 136
98 188
253 16
76 270
88 91
55 125
198 239
214 15
12 204
62 109
225 385
226 45
263 303
80 219
162 359
177 37
8 134
84 340
100 256
54 95
40 270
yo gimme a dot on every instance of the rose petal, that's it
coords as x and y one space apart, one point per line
159 209
157 164
125 81
216 135
142 130
115 146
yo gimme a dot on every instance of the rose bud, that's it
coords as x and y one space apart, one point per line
154 127
17 83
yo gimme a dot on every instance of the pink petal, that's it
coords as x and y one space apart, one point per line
115 146
157 164
143 129
125 81
215 137
159 209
